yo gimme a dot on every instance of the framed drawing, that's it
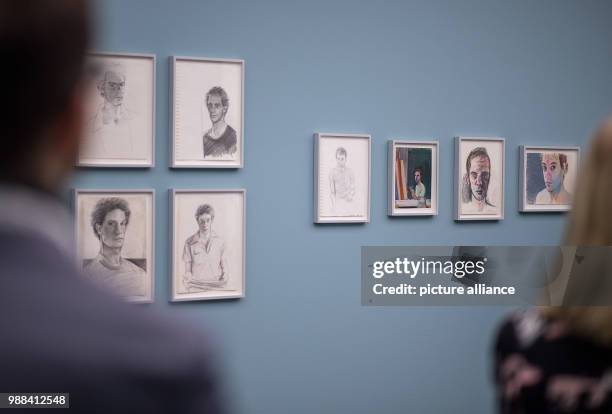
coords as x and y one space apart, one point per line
120 129
479 179
208 244
547 177
412 178
342 178
115 240
207 112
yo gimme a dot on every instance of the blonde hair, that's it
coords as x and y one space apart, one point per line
590 225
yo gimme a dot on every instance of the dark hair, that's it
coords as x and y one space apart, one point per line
105 206
220 92
341 151
205 209
419 169
43 45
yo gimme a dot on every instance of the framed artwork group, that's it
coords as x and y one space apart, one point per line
115 228
115 234
342 172
207 112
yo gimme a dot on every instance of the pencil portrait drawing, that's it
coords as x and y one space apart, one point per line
342 184
220 139
342 178
207 112
207 244
109 222
204 255
120 125
114 241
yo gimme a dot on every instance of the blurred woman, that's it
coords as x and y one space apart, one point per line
559 359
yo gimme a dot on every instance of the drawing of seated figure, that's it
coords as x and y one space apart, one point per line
342 185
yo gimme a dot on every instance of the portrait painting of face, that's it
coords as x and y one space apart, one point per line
207 112
342 181
549 176
114 233
121 112
413 178
480 178
208 244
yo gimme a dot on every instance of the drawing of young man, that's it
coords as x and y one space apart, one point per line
220 140
554 169
204 255
109 221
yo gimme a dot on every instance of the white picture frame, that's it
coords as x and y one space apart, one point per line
224 252
405 199
487 201
534 194
353 206
132 276
120 127
206 134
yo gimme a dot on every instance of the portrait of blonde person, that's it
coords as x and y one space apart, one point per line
220 140
204 255
559 358
110 220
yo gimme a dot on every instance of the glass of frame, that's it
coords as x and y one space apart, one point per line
115 240
342 178
479 178
413 178
208 244
120 129
207 113
547 177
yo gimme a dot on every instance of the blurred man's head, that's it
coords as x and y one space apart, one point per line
43 45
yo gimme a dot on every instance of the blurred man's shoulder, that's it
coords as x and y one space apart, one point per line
60 320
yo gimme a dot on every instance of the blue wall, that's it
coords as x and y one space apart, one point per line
534 72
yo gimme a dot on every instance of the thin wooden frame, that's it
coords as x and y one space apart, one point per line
459 171
151 163
418 211
317 185
172 193
525 207
79 191
173 60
